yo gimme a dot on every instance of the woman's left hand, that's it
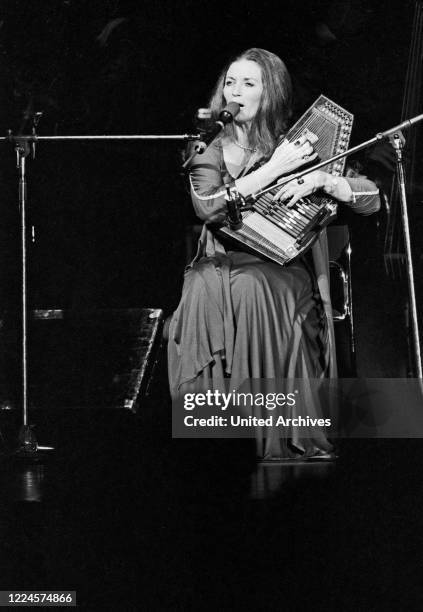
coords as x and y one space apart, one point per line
293 191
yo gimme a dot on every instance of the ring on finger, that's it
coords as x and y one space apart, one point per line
306 157
300 181
297 143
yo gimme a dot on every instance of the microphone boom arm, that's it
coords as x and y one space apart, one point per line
387 134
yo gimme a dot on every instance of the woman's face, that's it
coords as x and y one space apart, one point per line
243 84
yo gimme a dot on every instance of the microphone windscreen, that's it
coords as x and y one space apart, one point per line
229 112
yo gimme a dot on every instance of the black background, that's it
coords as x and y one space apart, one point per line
129 517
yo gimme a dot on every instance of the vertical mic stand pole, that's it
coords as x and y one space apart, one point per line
28 442
397 141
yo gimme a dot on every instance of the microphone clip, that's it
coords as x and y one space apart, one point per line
235 202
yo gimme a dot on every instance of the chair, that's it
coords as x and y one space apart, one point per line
341 296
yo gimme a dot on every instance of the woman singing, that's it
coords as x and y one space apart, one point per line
241 316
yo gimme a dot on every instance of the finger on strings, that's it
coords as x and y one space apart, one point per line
295 198
306 137
284 195
278 196
312 138
309 157
303 139
307 149
285 192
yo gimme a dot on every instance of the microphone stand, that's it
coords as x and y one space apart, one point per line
397 141
28 446
28 443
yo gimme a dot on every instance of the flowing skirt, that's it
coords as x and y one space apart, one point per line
243 318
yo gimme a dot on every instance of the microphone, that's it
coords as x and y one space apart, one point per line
226 116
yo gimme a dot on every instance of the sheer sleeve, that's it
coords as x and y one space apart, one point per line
365 196
208 185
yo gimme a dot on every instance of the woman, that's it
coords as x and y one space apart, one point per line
240 316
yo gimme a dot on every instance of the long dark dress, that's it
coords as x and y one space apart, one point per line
243 317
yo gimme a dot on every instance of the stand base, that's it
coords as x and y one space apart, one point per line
29 449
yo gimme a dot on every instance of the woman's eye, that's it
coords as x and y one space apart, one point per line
228 83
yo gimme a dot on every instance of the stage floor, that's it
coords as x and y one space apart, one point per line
133 520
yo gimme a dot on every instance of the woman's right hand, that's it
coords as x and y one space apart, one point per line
288 156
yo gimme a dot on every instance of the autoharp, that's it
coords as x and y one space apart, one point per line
281 233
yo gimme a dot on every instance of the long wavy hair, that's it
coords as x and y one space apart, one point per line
275 110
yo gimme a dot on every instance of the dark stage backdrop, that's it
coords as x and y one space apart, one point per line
110 218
